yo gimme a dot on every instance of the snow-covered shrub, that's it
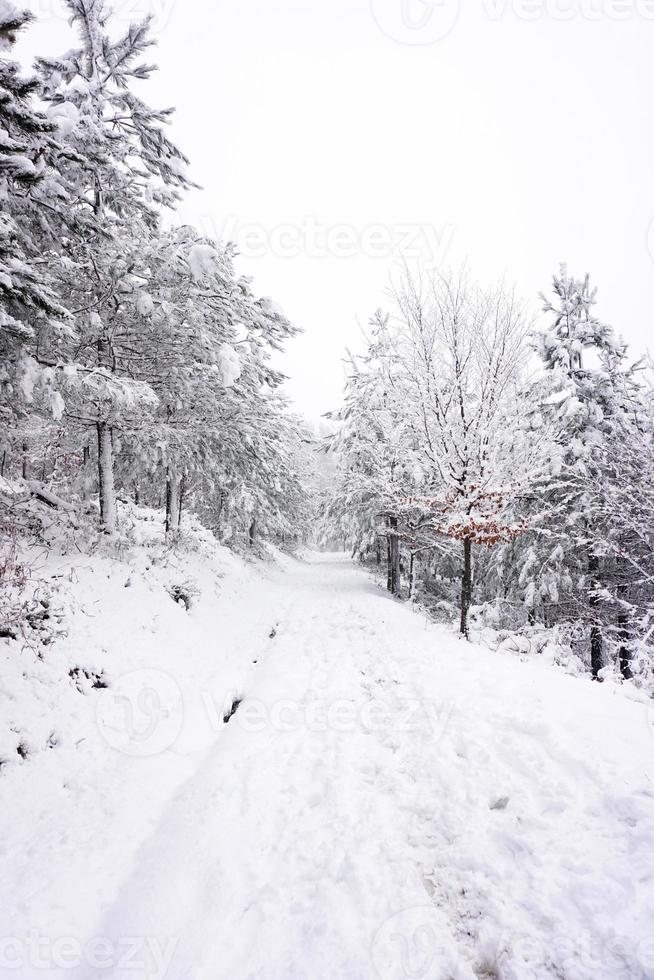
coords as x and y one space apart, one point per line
14 576
185 593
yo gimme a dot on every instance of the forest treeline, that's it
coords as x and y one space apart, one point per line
134 362
504 473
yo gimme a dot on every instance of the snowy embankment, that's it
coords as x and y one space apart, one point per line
386 801
106 718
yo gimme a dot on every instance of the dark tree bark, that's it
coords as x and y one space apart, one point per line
596 646
389 575
168 502
625 652
86 467
466 586
596 643
394 580
182 497
106 487
223 505
252 533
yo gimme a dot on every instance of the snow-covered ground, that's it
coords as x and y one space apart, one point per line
385 802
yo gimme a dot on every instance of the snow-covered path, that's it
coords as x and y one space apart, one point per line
390 802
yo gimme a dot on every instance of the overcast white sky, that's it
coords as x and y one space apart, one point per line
512 134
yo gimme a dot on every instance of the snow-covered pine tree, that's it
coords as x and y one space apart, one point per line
29 308
588 398
372 448
201 340
118 168
624 509
246 427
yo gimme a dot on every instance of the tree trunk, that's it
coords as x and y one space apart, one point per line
466 586
25 461
252 532
87 477
411 574
394 582
222 506
182 496
106 489
172 501
596 658
389 574
596 644
625 652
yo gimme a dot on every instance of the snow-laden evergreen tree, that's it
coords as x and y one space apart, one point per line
372 446
590 397
118 169
197 336
623 505
129 347
29 308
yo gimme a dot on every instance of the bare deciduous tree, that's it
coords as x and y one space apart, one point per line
462 349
